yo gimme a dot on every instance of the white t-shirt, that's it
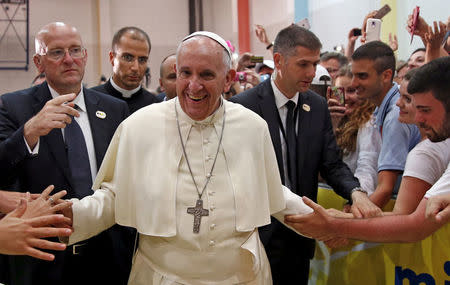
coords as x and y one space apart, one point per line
428 160
442 186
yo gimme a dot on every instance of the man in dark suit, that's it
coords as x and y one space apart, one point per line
128 56
300 127
57 133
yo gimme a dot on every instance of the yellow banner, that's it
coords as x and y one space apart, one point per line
426 262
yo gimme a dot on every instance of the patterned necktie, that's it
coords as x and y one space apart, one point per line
291 141
77 155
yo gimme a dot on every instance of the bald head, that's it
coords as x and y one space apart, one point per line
50 30
60 55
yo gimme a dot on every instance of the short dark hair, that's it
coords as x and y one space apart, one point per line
345 71
342 59
380 53
293 36
433 76
409 74
137 34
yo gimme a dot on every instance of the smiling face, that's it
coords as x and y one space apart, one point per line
332 65
407 111
368 83
431 116
417 59
64 74
351 99
295 72
202 76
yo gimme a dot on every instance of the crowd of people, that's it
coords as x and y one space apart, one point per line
214 180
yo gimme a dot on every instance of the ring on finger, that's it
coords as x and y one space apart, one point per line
52 202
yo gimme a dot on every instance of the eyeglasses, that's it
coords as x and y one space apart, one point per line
59 53
129 58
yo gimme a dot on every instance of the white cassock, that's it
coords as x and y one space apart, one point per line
144 182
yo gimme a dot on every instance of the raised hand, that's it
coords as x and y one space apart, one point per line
433 41
262 35
56 113
363 28
393 42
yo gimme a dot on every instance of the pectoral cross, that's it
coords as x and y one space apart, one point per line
198 212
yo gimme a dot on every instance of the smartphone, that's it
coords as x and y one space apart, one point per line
337 93
256 59
382 12
356 32
414 24
373 30
304 23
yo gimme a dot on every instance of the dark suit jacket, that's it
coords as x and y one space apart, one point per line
316 152
50 166
138 100
161 96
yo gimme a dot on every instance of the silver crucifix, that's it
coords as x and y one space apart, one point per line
198 212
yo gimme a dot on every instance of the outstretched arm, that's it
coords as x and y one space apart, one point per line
400 228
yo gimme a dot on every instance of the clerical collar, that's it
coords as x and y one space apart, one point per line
79 100
280 99
214 118
125 93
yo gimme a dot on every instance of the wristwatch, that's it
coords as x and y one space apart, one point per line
269 45
358 189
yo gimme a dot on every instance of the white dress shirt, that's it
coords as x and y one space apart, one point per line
83 121
280 101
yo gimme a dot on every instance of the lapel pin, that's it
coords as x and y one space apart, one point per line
100 114
306 107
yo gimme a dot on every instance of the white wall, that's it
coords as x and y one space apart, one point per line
331 20
430 10
167 22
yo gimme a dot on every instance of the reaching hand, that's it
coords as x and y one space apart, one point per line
46 204
20 236
351 36
393 42
56 113
362 207
315 225
9 200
